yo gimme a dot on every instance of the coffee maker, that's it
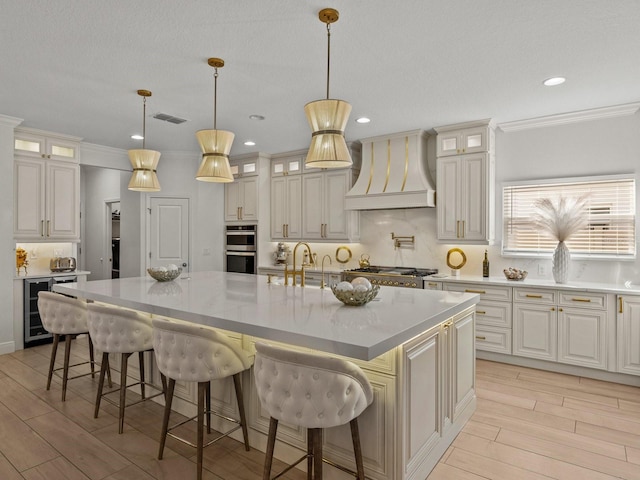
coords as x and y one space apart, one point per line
281 254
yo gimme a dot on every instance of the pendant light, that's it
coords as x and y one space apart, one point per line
144 162
328 118
215 144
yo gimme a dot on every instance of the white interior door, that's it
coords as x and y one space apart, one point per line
169 232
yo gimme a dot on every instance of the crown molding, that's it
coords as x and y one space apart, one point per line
10 121
573 117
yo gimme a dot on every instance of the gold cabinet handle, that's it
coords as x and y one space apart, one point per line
587 300
469 290
480 312
533 296
620 302
463 233
448 324
42 228
553 309
479 337
457 228
48 228
560 309
432 284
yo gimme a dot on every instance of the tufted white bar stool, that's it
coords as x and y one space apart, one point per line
314 392
62 315
120 331
196 353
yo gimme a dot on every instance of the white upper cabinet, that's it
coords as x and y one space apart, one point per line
287 164
460 140
286 207
33 143
465 185
46 187
46 200
241 195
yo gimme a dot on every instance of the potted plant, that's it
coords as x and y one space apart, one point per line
561 218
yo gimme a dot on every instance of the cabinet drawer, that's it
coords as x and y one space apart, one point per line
533 295
493 339
431 285
497 314
597 301
487 292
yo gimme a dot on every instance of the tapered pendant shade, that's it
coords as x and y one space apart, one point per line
144 177
328 119
215 145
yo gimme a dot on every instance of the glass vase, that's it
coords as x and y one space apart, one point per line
560 268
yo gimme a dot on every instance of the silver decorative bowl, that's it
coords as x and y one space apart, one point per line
164 275
515 274
353 298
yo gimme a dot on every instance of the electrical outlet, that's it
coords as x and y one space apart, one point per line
542 270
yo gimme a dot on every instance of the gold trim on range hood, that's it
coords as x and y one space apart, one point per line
396 176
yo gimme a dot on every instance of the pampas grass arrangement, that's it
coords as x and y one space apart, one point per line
562 217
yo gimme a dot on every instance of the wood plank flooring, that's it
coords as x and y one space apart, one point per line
529 424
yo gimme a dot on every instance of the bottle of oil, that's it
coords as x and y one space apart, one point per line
485 265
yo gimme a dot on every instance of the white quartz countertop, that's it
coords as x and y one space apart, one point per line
628 288
49 273
304 316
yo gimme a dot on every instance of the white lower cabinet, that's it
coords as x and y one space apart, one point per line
628 334
562 326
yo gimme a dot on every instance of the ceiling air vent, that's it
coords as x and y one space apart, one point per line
169 118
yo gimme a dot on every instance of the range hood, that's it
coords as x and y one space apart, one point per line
394 174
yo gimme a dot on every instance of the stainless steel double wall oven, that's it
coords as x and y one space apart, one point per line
241 248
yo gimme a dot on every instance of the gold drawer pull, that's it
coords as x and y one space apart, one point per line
478 337
468 290
432 284
533 296
587 300
480 312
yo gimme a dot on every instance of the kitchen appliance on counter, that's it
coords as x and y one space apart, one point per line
241 249
62 264
281 255
407 277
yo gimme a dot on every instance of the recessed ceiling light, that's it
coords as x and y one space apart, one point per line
553 81
363 120
137 137
249 143
256 117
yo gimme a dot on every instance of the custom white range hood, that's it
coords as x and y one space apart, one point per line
394 174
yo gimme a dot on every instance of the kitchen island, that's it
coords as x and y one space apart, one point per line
416 346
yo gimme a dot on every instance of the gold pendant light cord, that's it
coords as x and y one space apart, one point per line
144 121
215 96
328 56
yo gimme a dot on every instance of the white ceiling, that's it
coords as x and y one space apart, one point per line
73 66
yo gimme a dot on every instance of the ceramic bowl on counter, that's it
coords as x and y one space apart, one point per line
515 274
164 274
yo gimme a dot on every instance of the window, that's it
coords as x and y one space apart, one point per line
610 228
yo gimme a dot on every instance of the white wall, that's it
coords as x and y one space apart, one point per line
7 245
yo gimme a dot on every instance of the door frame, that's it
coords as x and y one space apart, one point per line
147 223
107 259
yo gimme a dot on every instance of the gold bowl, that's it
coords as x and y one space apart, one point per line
164 275
354 298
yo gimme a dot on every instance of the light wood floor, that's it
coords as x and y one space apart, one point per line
529 424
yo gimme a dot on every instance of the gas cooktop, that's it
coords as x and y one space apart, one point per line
393 276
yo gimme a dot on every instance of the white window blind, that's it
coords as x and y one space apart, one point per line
610 211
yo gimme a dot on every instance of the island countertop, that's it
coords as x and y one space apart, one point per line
304 316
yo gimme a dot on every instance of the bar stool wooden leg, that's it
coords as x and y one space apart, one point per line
92 360
167 413
309 455
65 368
123 389
202 393
243 419
103 368
208 408
357 448
271 443
141 363
317 453
52 362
